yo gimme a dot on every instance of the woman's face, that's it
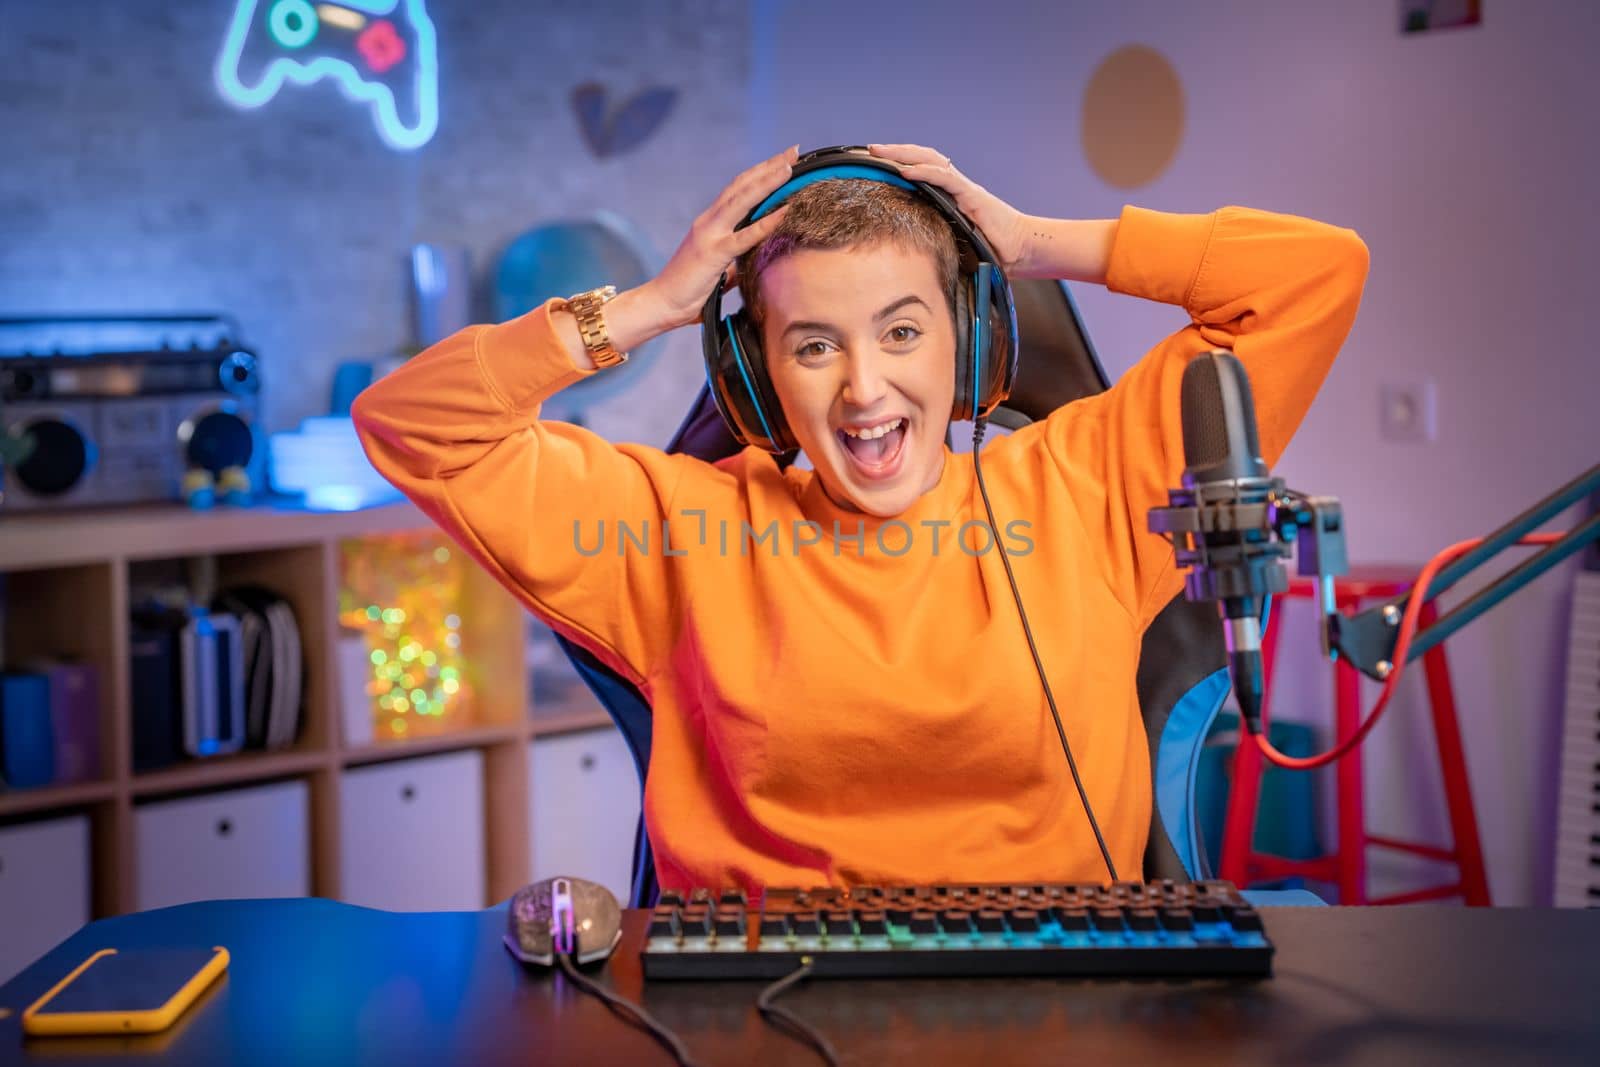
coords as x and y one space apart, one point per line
861 350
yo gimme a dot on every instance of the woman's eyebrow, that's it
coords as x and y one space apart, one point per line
827 327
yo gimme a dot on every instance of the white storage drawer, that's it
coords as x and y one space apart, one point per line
411 834
241 843
44 888
585 807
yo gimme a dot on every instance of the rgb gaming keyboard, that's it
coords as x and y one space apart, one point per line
1164 929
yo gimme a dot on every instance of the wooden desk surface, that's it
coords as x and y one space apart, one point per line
313 981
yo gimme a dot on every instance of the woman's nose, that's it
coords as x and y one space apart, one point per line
864 383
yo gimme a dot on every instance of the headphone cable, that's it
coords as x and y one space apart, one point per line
783 1018
628 1010
979 425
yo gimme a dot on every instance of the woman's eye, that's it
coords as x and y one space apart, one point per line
904 334
811 350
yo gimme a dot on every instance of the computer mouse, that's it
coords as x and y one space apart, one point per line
563 915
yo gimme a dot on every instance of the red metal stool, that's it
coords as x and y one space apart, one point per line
1347 867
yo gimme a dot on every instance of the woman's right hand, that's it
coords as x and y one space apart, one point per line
712 244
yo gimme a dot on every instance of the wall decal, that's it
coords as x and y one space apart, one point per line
1133 115
626 127
382 53
1419 15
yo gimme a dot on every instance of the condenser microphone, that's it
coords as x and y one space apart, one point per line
1225 509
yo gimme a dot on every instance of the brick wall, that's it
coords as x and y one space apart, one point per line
130 185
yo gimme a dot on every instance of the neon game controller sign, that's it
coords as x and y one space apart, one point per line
381 53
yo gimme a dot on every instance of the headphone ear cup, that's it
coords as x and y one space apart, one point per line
724 375
961 408
1000 361
756 401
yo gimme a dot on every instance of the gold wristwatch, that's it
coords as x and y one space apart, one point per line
586 308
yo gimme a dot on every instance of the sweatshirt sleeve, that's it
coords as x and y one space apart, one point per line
1280 292
458 430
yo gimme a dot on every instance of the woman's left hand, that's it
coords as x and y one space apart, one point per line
1003 226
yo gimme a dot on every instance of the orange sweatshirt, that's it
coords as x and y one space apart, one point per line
857 703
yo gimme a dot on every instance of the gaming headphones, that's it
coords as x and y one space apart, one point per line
986 321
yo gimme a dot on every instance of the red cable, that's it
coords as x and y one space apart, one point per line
1408 627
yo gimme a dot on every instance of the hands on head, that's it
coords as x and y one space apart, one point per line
1003 226
713 243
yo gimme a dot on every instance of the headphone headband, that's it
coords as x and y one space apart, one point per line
828 173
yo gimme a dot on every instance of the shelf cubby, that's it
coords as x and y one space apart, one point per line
68 582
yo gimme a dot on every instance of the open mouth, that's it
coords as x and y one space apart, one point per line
876 452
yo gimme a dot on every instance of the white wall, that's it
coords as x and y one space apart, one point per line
1463 157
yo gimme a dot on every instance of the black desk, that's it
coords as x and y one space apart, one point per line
317 982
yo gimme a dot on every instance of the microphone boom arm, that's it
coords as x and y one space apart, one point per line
1367 639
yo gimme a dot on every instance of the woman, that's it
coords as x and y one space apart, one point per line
854 700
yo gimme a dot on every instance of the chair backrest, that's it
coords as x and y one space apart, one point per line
1182 678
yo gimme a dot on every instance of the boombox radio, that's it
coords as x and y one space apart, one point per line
126 421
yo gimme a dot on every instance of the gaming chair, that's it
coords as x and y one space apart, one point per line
1182 678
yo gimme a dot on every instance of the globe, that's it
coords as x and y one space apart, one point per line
562 258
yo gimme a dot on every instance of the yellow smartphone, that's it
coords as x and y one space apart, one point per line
125 991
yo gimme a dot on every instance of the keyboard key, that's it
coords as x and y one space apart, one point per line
991 922
670 898
955 922
1245 920
1142 919
1071 919
805 924
923 923
1107 920
841 924
872 924
734 896
695 921
1025 921
664 923
730 922
1177 919
776 926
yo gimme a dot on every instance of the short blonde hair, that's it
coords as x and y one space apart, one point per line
847 212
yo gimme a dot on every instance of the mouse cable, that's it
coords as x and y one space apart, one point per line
628 1009
782 1018
979 425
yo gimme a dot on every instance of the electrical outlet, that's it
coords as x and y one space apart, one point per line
1408 412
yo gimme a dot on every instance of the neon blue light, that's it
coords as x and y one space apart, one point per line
422 56
292 36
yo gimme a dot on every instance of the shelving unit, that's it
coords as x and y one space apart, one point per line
67 596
